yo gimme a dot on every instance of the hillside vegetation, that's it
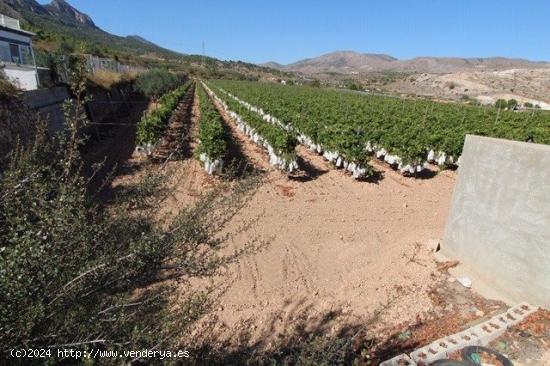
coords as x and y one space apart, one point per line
60 28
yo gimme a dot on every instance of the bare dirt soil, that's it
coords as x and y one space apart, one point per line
336 246
338 243
524 85
343 256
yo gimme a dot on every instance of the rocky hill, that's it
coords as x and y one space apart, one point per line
58 22
66 13
60 25
350 62
139 39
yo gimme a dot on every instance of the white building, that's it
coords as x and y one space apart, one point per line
17 61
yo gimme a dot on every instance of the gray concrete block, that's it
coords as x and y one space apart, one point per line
400 360
478 335
487 333
443 347
520 312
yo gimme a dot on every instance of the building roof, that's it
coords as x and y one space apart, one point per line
12 25
18 31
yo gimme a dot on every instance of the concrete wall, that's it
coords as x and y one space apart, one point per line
23 78
103 105
49 104
499 223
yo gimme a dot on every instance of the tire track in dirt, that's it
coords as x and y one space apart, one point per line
302 266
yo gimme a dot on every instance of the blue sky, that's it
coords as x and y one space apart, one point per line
287 31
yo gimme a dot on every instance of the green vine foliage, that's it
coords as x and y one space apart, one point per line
345 121
214 139
283 142
153 124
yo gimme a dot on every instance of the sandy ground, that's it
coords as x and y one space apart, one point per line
341 254
335 245
338 245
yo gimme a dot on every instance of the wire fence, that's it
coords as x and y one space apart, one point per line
94 64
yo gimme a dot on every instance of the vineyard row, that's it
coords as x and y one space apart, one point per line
405 133
279 144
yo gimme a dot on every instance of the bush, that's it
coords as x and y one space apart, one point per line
75 273
501 104
353 85
68 268
528 105
314 83
451 85
156 82
512 103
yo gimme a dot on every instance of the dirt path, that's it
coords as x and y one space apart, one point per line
338 246
177 138
186 177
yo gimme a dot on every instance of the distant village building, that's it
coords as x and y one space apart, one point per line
17 60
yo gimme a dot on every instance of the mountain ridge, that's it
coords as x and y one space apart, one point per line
349 62
65 11
61 27
61 18
135 37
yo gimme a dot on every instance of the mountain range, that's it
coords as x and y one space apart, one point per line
349 62
58 9
58 24
62 21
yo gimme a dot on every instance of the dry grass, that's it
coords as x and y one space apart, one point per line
107 79
7 89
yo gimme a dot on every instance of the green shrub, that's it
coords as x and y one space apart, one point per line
315 83
72 272
501 104
156 82
512 103
353 85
